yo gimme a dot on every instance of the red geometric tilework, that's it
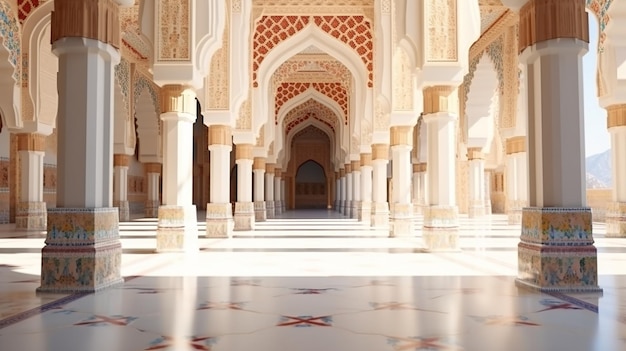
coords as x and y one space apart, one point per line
288 91
303 118
25 7
354 31
307 110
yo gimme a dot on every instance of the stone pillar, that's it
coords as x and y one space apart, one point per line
153 173
83 252
441 225
258 168
420 187
356 189
349 190
283 194
120 186
31 209
476 160
269 189
343 192
488 174
244 207
516 178
337 192
365 207
219 216
278 201
556 251
616 210
380 206
177 229
401 216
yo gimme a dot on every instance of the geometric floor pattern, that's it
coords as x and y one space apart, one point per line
312 280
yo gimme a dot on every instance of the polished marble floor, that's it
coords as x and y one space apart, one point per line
312 280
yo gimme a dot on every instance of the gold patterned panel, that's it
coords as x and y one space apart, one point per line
401 135
441 98
442 30
220 135
178 98
174 32
243 152
616 116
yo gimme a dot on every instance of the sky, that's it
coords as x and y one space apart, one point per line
597 138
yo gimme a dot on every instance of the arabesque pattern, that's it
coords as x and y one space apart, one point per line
310 109
288 91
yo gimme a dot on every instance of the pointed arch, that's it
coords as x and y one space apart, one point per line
480 106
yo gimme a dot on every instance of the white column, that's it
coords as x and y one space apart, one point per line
259 185
31 209
244 207
349 190
153 172
380 206
120 185
337 192
365 210
244 180
278 201
219 211
283 194
269 190
356 186
476 182
258 168
344 192
32 180
401 222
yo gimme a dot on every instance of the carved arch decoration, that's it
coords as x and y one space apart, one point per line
334 91
402 81
324 70
319 127
354 31
11 38
482 104
311 109
600 8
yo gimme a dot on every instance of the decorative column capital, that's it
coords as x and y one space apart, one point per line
277 172
475 153
178 98
616 116
401 135
31 142
269 168
366 160
356 166
348 168
243 152
515 145
93 19
337 176
220 135
541 20
259 163
342 172
380 152
152 167
419 167
440 98
121 160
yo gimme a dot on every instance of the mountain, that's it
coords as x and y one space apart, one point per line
599 170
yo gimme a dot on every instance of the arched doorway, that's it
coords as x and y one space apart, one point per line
311 189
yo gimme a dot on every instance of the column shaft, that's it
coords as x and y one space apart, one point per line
380 206
153 171
365 208
219 212
477 190
31 209
120 185
278 201
260 212
616 210
356 189
269 190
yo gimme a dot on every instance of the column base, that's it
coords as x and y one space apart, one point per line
616 220
244 216
269 209
354 210
401 221
476 210
380 215
441 228
260 211
124 210
177 229
365 212
417 208
556 251
31 216
83 252
278 207
152 209
219 220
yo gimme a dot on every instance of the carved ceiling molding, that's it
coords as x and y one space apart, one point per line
493 33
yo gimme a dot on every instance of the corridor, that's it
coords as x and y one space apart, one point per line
312 280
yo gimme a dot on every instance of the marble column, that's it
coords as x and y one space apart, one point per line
153 175
420 187
356 188
488 178
516 178
441 223
177 229
258 168
244 207
556 251
349 190
344 191
83 252
337 192
219 216
278 201
476 186
401 210
380 206
120 186
616 210
283 194
31 210
269 189
365 206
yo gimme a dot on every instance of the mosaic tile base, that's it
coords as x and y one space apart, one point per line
401 221
269 209
83 252
31 216
556 251
616 220
244 216
219 220
177 229
152 208
124 210
260 212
